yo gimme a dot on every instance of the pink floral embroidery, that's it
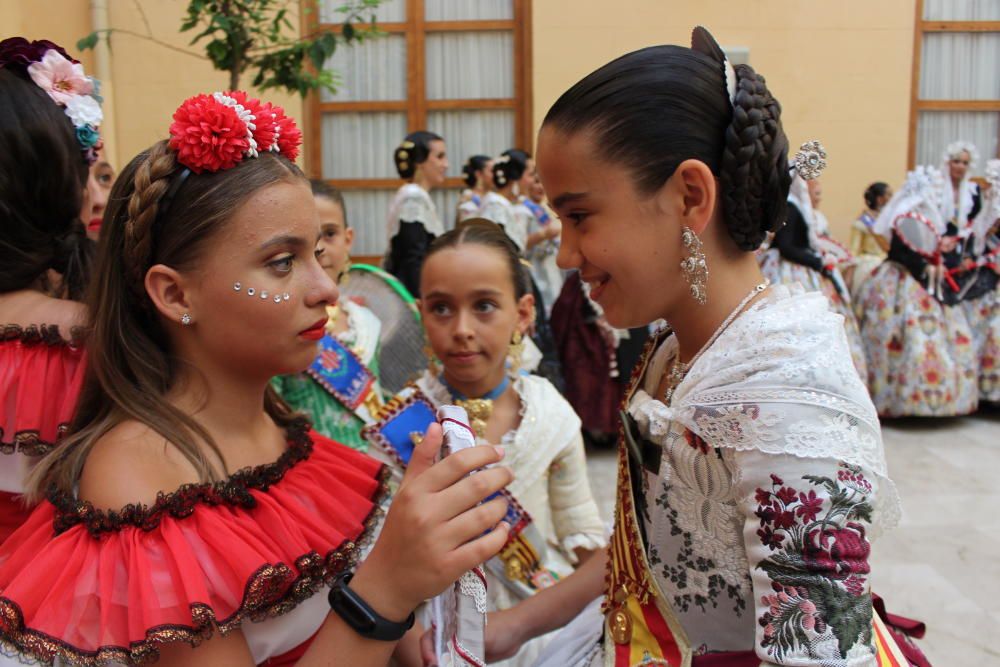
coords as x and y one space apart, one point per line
818 562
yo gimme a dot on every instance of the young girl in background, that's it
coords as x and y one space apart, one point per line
413 222
340 391
476 310
477 173
513 173
188 497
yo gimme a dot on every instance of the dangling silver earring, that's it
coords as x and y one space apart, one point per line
694 266
185 319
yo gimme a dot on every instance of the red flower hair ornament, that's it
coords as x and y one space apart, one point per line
217 131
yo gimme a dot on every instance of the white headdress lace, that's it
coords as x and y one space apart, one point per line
965 188
924 192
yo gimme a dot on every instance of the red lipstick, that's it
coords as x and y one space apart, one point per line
315 332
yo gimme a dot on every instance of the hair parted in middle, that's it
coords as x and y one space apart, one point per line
486 233
654 108
414 150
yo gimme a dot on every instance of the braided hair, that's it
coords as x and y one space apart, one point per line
414 150
684 112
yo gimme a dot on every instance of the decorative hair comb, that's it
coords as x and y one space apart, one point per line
810 160
215 132
49 66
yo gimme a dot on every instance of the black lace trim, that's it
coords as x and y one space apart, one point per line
235 490
41 334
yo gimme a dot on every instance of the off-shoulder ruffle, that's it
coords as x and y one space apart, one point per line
40 378
92 586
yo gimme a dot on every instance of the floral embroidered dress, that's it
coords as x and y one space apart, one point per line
550 483
747 505
920 351
254 552
330 415
40 378
513 217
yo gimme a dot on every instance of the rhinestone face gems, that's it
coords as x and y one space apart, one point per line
277 298
263 294
237 286
810 160
251 291
286 296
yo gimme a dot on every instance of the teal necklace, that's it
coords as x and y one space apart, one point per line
479 409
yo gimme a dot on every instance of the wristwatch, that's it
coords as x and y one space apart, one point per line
362 618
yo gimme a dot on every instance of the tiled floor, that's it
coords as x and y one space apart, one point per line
942 564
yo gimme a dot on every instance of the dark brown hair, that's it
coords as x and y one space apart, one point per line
652 109
414 150
158 213
486 233
42 178
324 189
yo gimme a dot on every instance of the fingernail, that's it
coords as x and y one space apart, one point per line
505 525
500 450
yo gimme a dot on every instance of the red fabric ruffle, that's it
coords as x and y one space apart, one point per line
40 378
109 586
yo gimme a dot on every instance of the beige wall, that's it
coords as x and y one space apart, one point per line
840 68
147 81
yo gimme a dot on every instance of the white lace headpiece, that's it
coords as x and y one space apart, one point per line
965 188
924 192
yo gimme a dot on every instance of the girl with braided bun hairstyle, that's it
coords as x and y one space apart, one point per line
477 173
513 174
45 255
413 223
188 498
751 474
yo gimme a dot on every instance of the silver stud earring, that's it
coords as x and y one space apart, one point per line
251 291
185 319
237 286
694 266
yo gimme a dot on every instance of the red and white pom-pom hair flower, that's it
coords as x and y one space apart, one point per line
215 132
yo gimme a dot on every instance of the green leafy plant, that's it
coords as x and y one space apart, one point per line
259 37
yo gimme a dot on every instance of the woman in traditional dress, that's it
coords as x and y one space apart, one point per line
921 359
543 244
340 391
751 472
513 173
980 300
191 517
867 247
413 223
795 257
476 311
47 136
477 173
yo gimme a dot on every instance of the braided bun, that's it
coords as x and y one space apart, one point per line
151 182
754 171
414 150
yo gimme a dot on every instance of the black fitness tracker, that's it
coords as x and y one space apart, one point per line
363 619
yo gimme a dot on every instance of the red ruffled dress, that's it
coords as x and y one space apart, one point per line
40 378
255 552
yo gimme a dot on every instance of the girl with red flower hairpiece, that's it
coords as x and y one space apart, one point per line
189 506
46 254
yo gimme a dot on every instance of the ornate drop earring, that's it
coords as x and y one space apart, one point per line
433 365
694 266
516 352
